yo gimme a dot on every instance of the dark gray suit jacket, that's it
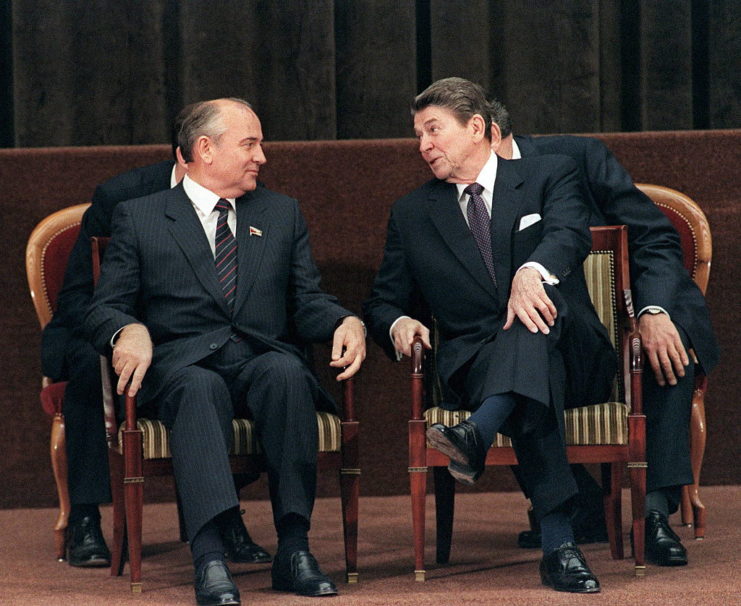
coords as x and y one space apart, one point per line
77 290
657 274
159 269
431 253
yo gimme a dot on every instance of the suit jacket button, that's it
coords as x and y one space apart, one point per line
214 346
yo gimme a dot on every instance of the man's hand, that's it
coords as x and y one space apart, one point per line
132 355
529 303
404 332
663 347
348 347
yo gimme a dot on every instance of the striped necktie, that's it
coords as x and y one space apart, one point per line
480 225
226 253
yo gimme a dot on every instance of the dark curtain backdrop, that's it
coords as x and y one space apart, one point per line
90 72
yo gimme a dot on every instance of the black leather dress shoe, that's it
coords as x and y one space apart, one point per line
588 524
463 444
86 546
239 546
565 569
214 586
299 572
663 546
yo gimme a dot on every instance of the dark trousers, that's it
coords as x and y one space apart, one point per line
87 451
667 411
530 366
198 405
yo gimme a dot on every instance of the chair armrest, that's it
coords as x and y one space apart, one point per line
348 400
634 371
417 378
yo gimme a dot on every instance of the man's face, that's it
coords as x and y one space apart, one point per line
237 154
449 148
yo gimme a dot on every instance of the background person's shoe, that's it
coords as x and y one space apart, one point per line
86 546
299 572
566 569
663 546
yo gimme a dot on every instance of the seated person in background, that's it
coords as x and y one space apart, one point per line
207 292
495 249
672 318
66 355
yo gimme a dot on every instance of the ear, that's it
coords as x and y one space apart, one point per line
203 148
496 136
477 124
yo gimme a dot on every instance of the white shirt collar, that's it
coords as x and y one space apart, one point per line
486 179
516 153
203 199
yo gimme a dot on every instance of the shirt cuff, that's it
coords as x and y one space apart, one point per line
399 355
547 276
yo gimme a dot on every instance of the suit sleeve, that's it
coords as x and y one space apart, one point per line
114 302
566 240
314 313
392 293
655 250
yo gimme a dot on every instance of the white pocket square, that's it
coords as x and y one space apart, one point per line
529 220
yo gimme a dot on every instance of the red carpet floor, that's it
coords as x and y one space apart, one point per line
486 566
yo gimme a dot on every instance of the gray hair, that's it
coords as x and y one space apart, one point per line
198 120
500 116
463 97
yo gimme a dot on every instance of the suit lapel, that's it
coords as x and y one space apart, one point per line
446 215
187 231
252 234
506 202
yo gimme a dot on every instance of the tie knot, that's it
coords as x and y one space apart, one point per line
222 205
474 189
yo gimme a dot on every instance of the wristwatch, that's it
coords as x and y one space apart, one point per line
654 310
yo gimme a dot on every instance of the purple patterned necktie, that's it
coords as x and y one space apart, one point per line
479 223
226 253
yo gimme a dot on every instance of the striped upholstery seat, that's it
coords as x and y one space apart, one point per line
605 423
156 438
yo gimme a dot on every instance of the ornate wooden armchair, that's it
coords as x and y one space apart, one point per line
611 433
139 448
48 248
697 251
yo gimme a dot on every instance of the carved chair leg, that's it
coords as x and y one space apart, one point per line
58 453
418 489
698 438
350 492
612 480
115 463
444 512
134 498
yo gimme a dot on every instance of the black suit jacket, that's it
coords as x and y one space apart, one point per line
159 269
430 251
77 289
657 274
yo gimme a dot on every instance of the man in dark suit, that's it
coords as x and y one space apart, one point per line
66 355
494 249
206 294
672 318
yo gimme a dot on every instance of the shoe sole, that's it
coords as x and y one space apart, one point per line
564 590
279 586
91 563
440 442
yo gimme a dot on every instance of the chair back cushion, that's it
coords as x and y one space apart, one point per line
47 251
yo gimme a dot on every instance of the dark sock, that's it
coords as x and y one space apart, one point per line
492 413
293 533
82 510
556 530
206 546
656 500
